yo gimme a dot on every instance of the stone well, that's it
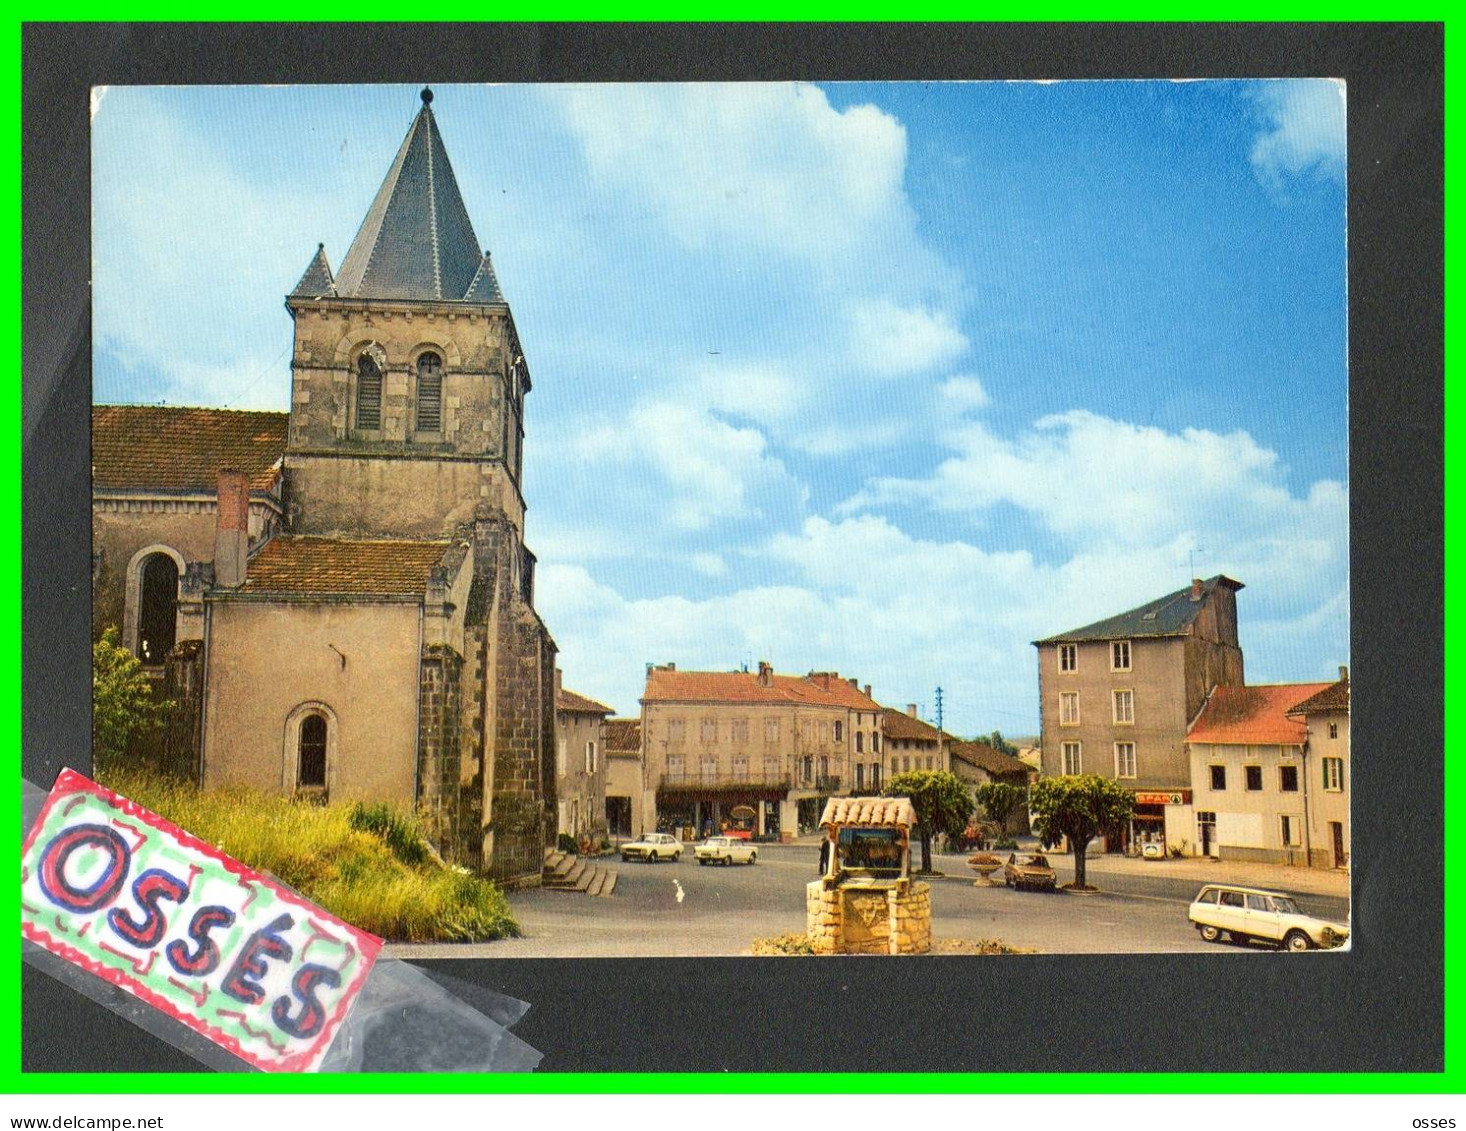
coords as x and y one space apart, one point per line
865 902
888 919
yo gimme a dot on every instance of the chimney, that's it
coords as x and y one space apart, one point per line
855 683
1343 673
867 691
231 535
765 674
671 667
559 682
911 709
1196 587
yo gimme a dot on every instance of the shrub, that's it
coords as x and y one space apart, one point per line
355 861
1007 842
566 843
787 943
123 705
985 859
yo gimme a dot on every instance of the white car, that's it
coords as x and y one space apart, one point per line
653 847
725 850
1254 913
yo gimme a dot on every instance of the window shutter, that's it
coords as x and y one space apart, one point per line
368 394
429 393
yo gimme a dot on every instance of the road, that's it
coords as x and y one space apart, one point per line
685 909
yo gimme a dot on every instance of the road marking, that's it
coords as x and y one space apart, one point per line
681 895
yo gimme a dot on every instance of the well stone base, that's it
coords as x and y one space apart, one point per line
850 920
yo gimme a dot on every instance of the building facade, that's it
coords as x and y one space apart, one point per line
360 621
625 785
911 744
1117 697
755 749
580 765
1264 790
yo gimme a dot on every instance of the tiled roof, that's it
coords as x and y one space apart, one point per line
623 737
417 241
873 812
1253 715
307 564
1171 615
985 757
149 447
898 724
317 282
566 700
1334 697
666 686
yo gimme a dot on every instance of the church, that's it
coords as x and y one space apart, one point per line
339 598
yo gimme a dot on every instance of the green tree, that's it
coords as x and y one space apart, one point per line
998 800
1079 807
941 801
123 704
1001 744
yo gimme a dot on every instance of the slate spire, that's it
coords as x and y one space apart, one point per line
417 241
317 282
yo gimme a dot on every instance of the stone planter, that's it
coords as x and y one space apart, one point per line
985 872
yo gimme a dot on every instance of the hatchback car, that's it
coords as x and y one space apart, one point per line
653 847
1029 870
725 850
1254 913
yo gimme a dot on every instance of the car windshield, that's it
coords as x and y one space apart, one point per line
1285 905
1036 862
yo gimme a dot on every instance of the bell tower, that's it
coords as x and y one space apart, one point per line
406 422
407 401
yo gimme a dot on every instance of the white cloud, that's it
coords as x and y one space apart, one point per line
755 165
894 340
1305 130
964 394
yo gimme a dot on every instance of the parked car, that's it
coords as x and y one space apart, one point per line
653 847
1254 913
725 850
1029 870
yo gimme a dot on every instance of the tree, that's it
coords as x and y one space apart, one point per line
1001 744
941 801
1078 807
998 800
123 704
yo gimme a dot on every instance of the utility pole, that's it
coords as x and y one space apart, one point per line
939 728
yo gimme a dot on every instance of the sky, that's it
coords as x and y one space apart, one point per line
889 379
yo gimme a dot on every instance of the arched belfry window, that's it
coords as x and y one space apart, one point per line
312 771
368 393
429 393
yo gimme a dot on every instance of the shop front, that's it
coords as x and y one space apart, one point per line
693 813
1145 833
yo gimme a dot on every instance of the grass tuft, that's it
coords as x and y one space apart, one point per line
369 865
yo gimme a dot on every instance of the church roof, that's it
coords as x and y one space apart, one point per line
317 281
570 701
417 242
298 563
155 448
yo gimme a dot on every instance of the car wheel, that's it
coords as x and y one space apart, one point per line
1240 940
1296 941
625 859
1008 881
1209 933
702 860
753 857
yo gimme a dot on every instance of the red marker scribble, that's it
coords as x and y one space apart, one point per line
27 907
318 934
79 799
262 1034
85 927
137 964
252 893
142 837
199 996
193 870
25 872
60 926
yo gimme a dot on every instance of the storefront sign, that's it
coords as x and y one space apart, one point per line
133 899
1175 797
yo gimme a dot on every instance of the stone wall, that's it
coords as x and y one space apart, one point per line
439 753
849 920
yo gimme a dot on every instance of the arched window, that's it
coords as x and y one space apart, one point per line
157 621
429 393
368 393
312 752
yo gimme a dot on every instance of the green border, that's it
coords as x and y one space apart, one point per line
1451 1080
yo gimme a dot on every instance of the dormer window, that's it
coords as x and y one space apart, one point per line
429 393
368 394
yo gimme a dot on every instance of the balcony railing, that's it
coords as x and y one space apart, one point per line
749 780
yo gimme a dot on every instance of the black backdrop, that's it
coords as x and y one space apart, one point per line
1378 1007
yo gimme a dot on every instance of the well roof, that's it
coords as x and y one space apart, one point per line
870 812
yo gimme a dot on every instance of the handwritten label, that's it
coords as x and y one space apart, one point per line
133 899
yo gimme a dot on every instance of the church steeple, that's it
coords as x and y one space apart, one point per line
417 242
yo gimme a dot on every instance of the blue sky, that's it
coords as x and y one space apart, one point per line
885 378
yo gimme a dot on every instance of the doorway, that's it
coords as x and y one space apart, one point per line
1336 831
157 622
